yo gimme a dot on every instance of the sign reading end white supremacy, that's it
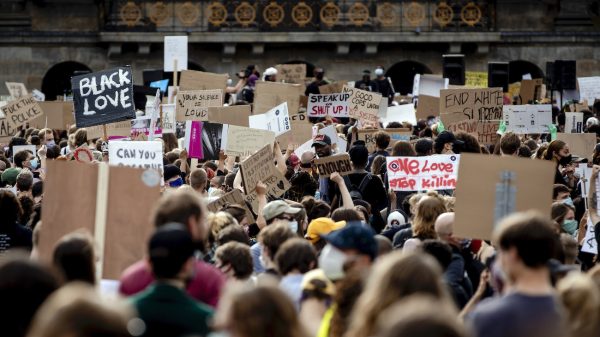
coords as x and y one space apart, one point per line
103 97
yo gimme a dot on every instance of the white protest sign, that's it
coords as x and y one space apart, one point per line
242 141
176 49
522 119
589 89
138 154
574 122
331 132
438 172
429 85
276 120
363 105
583 172
38 95
334 105
16 90
400 113
154 114
306 147
168 118
18 148
590 245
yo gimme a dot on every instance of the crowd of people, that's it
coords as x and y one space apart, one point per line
338 256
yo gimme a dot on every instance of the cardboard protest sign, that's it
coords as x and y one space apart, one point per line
2 103
270 94
580 144
590 245
6 131
193 139
368 136
103 97
234 197
400 113
21 111
589 89
530 91
16 90
57 115
480 104
301 132
193 105
18 148
525 119
176 51
437 172
145 155
429 85
339 163
334 105
242 141
113 130
291 73
488 132
120 233
469 126
331 88
168 118
574 122
476 79
143 125
199 80
235 114
276 120
363 105
497 186
427 106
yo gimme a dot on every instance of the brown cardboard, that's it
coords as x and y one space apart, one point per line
467 125
270 94
483 104
363 105
427 106
331 88
7 131
339 163
193 104
59 115
300 133
119 129
367 135
21 111
478 178
234 115
291 73
580 144
234 197
530 90
198 80
243 141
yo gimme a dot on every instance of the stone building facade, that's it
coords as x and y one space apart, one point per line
42 42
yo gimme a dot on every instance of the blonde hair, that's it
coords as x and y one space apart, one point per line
395 276
581 298
427 210
217 222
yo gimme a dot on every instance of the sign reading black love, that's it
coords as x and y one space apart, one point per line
103 97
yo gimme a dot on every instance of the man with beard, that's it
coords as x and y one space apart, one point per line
322 145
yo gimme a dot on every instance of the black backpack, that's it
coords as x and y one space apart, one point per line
356 192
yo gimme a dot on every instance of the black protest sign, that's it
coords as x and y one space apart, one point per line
103 97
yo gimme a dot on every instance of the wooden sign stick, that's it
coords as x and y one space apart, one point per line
105 133
175 72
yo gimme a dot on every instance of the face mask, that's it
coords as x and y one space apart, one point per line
570 226
332 262
565 160
33 163
50 143
293 226
176 183
568 201
229 82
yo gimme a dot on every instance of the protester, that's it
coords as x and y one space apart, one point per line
313 87
74 257
365 82
234 260
295 258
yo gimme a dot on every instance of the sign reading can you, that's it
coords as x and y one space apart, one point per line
103 97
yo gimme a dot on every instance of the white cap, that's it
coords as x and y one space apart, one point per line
270 71
378 71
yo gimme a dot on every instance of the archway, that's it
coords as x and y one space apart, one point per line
516 70
310 68
57 80
403 75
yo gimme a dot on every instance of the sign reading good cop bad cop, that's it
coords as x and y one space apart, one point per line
103 97
363 105
437 172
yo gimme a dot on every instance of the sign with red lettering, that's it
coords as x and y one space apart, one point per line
334 105
363 105
438 172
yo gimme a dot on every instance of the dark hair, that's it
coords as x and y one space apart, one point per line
524 151
296 254
21 157
510 143
471 144
394 125
273 236
37 189
177 206
403 149
52 151
24 181
170 141
345 214
553 148
35 140
169 249
382 139
74 258
347 292
238 256
559 188
81 137
232 233
10 208
440 250
236 211
315 208
27 208
532 235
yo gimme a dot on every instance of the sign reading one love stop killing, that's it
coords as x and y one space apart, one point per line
103 97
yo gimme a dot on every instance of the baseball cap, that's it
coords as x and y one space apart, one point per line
354 236
277 208
321 140
447 137
321 226
9 175
271 71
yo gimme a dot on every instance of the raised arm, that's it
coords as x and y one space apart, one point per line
346 198
593 196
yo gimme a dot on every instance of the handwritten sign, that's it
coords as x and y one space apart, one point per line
291 73
339 163
574 122
480 104
276 120
145 155
6 130
301 132
363 105
589 89
21 111
143 125
335 105
242 141
200 80
193 105
524 119
469 126
103 97
16 89
439 172
234 197
168 118
176 49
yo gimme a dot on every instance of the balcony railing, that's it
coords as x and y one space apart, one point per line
308 15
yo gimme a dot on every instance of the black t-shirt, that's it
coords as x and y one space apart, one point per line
15 236
374 193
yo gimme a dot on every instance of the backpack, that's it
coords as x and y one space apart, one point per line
356 192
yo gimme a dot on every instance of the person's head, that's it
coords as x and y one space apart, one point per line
46 136
345 214
471 144
396 218
270 75
384 245
395 277
525 241
319 227
37 191
10 208
403 149
428 209
24 286
272 237
80 137
382 140
359 156
25 159
24 181
259 311
319 73
379 72
439 250
558 151
78 310
171 252
172 176
232 233
296 256
444 226
279 210
239 213
234 260
315 208
524 152
75 259
580 297
424 147
366 75
445 142
378 164
509 144
217 222
564 215
352 247
569 248
184 207
560 193
322 145
198 180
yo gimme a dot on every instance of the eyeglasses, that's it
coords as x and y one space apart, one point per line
284 217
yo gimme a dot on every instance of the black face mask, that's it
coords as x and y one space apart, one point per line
565 160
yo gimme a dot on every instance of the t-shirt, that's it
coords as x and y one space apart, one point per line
15 236
518 315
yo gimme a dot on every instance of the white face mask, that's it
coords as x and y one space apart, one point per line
293 226
332 262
